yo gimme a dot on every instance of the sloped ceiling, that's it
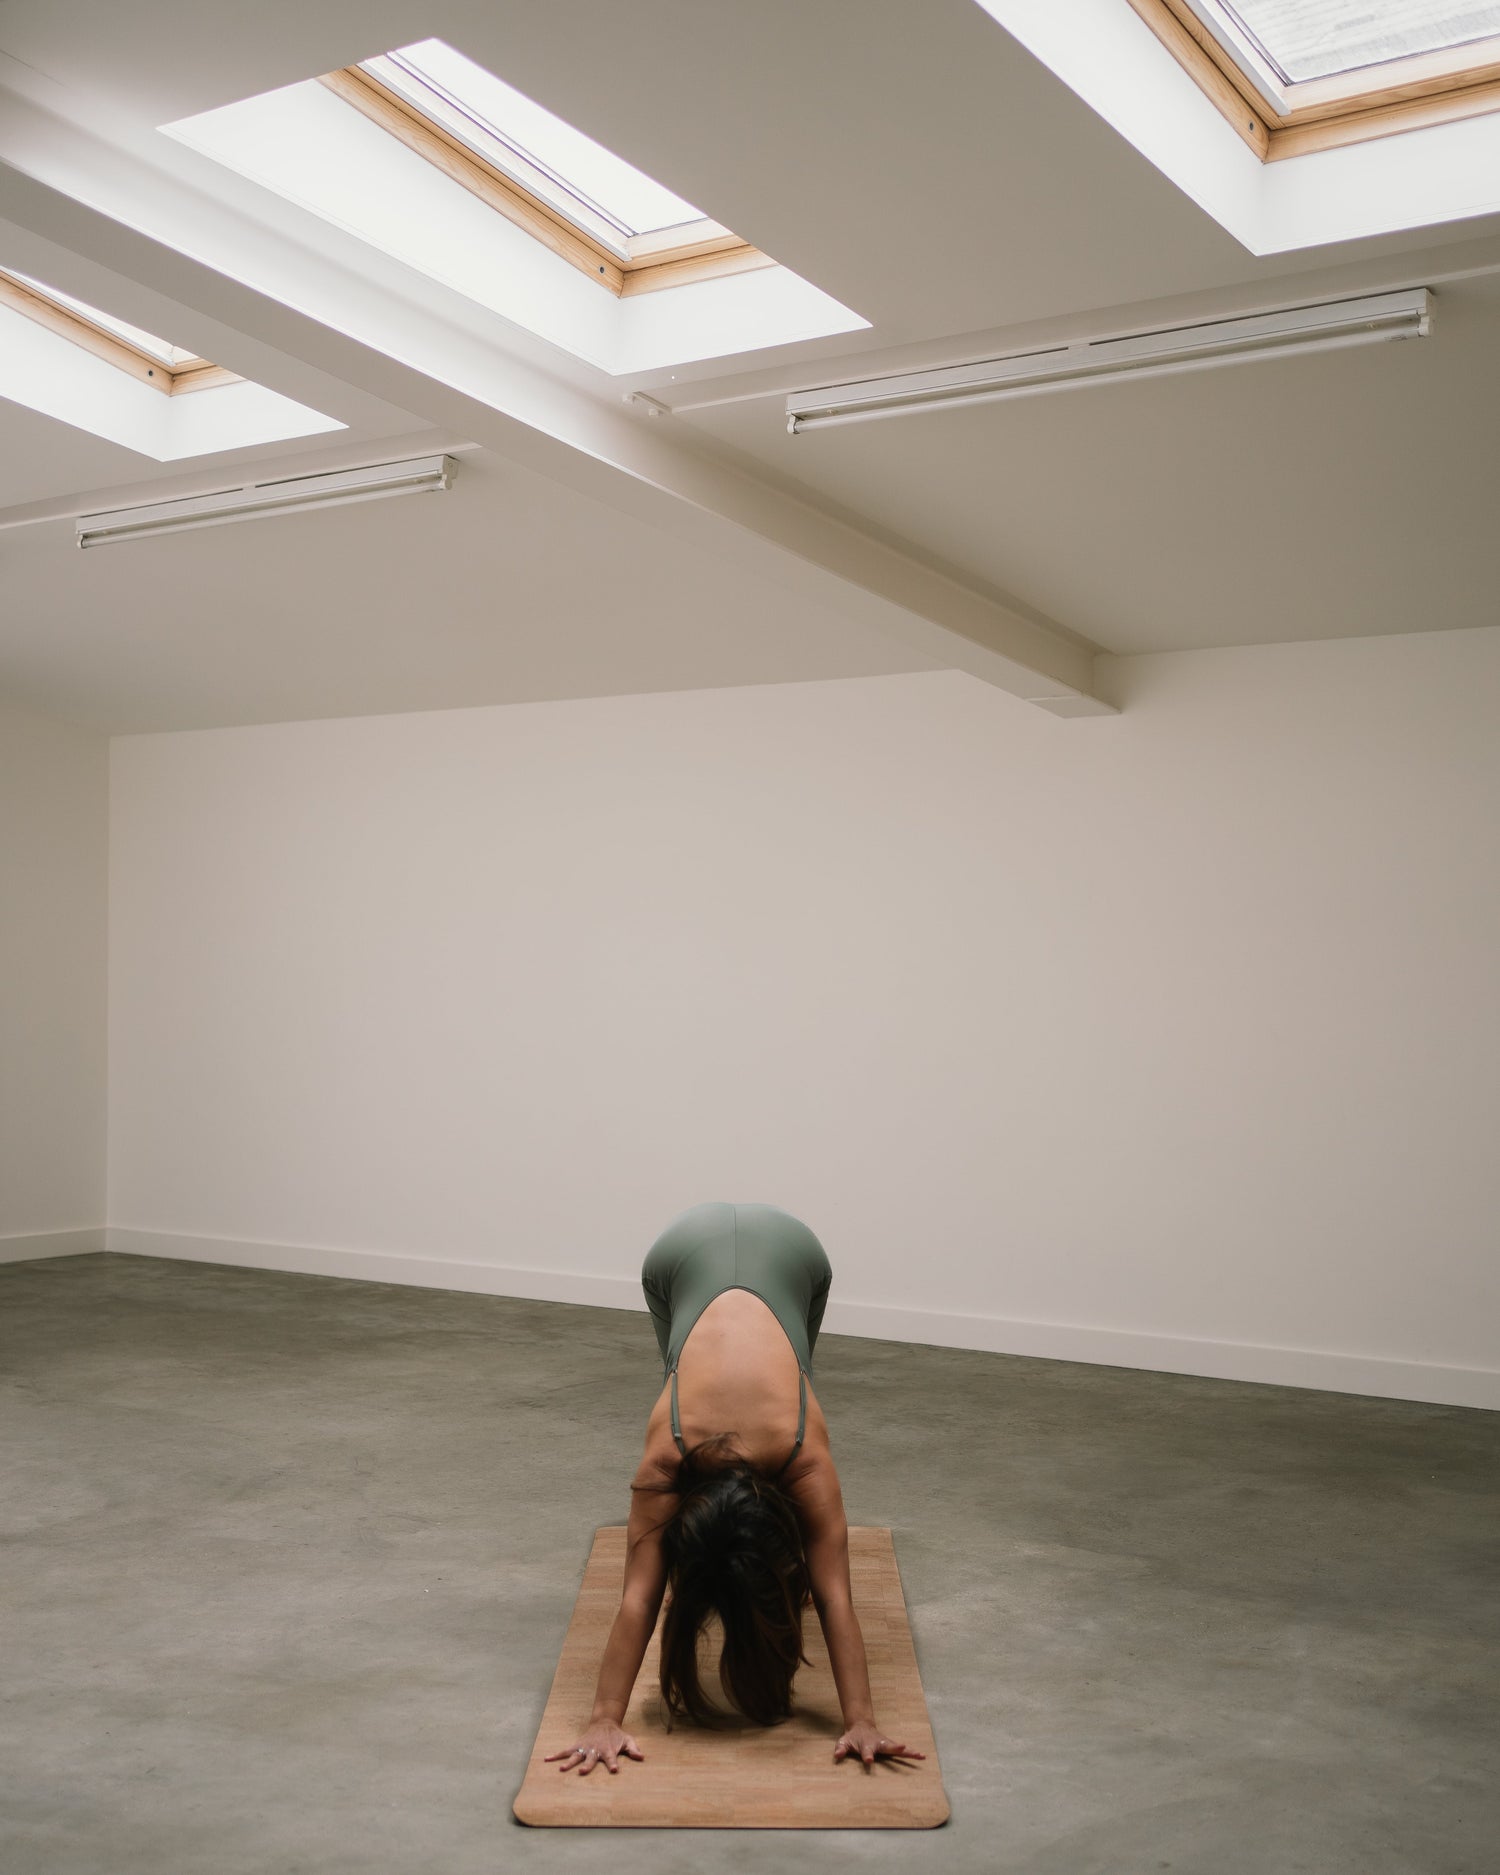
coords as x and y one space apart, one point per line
914 162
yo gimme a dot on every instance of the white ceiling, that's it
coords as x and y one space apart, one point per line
503 589
40 458
912 161
1323 496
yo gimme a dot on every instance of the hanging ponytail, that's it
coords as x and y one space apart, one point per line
733 1548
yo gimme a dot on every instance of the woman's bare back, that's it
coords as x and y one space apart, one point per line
738 1373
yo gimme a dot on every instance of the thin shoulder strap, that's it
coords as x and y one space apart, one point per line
676 1421
801 1412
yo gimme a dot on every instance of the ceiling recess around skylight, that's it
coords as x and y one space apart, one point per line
85 367
442 165
1308 39
1410 143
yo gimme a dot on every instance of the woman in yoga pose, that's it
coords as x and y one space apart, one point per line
722 1512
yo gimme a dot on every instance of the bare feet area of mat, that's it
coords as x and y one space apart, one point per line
746 1776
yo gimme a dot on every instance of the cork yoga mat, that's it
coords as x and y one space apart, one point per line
746 1776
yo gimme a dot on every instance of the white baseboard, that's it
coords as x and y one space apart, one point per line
384 1266
1052 1341
1318 1368
50 1243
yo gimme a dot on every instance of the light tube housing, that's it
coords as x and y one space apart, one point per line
1338 324
286 495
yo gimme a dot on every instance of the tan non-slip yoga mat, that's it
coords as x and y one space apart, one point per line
750 1777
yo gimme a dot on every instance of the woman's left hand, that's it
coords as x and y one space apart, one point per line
865 1740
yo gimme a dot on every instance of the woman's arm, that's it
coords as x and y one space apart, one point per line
825 1537
603 1738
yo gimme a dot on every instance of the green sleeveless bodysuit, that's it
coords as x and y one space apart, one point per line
715 1247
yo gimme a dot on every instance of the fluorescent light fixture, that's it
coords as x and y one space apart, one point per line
1144 354
288 495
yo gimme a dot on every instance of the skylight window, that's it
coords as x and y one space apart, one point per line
132 335
168 368
84 367
593 209
1307 39
538 150
1297 76
442 165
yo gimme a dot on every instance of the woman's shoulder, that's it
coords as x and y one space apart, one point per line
810 1476
660 1457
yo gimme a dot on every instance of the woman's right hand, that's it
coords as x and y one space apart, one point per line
602 1742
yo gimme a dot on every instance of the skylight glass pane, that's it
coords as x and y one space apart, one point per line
1317 38
132 335
635 203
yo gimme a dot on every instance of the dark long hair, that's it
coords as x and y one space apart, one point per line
733 1548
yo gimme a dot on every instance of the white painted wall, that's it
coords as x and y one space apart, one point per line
1168 1039
53 931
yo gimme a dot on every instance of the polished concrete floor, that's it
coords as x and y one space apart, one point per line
287 1562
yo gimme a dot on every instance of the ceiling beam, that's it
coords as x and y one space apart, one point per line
287 282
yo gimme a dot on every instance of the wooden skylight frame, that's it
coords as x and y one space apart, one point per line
702 250
188 374
1295 119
